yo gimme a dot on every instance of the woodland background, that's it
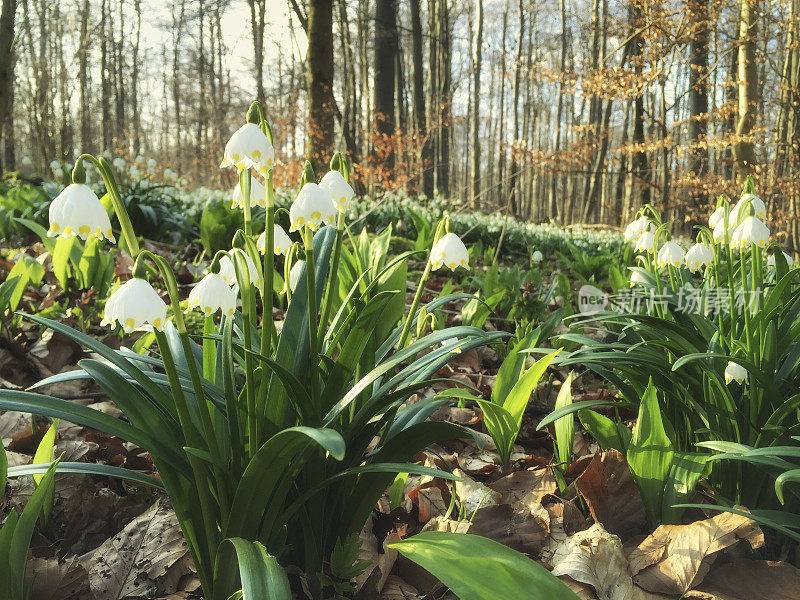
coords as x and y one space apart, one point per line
563 110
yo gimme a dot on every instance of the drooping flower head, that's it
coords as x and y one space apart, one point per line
698 256
336 186
750 231
646 242
537 256
741 209
136 307
258 194
449 251
249 148
735 372
716 217
312 207
637 228
670 254
294 274
77 211
281 242
212 293
228 272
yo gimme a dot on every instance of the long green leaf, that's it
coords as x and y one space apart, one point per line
261 577
477 568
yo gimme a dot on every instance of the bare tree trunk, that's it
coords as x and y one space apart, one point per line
7 18
319 74
744 149
385 76
512 184
698 97
87 144
640 170
420 115
477 44
136 117
258 10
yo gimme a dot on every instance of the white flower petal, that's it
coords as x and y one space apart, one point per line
449 251
136 306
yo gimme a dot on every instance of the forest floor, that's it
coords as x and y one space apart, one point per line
108 539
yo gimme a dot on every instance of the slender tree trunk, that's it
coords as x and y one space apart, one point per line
512 184
640 169
698 98
7 20
744 148
477 49
319 59
258 10
386 47
420 115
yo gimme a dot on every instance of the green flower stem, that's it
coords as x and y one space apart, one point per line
420 287
172 290
333 280
269 336
245 180
313 351
199 469
246 293
209 348
116 200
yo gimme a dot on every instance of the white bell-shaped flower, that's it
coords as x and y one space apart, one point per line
646 242
637 278
670 254
258 194
311 208
751 231
537 256
281 242
249 147
637 228
741 209
294 274
77 211
212 293
338 189
698 256
716 217
720 234
136 306
449 251
771 260
228 272
735 372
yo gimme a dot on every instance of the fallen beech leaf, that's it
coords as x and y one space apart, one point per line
611 493
744 579
473 495
676 558
132 563
397 589
525 487
54 580
371 581
595 557
515 528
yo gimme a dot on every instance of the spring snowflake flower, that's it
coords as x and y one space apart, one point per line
258 194
717 217
228 272
637 278
136 307
311 208
281 241
537 256
77 211
720 234
449 251
698 256
637 228
750 231
212 293
249 147
771 260
338 189
670 254
294 274
739 211
735 372
646 242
